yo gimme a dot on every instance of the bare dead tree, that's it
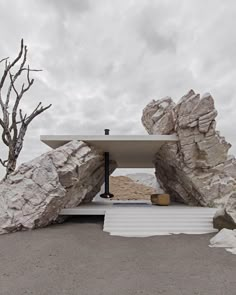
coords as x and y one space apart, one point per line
13 121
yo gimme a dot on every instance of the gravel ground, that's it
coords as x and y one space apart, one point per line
78 258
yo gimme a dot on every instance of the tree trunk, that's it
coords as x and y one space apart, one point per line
13 122
11 164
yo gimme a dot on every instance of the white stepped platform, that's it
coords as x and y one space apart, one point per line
147 220
139 219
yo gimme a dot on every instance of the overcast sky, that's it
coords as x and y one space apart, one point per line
103 61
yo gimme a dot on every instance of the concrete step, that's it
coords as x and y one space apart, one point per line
143 222
158 233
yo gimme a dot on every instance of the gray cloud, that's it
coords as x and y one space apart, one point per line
149 23
70 7
103 61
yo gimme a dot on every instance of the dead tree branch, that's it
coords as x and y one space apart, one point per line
12 135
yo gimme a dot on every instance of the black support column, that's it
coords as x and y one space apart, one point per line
106 194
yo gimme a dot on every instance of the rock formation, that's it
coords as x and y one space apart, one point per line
226 217
35 193
225 239
197 170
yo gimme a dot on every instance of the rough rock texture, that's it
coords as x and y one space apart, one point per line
35 193
197 170
226 217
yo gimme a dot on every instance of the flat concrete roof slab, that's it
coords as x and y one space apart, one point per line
129 151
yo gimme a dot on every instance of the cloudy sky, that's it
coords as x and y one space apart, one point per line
104 60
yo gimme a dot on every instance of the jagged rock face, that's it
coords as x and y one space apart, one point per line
226 217
35 193
197 170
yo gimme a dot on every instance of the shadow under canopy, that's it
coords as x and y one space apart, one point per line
128 151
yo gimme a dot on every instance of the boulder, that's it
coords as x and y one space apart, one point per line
225 239
226 217
196 170
34 194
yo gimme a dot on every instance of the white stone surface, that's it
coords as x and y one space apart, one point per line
197 170
36 192
144 220
226 238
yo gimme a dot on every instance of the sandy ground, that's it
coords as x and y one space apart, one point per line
78 258
123 186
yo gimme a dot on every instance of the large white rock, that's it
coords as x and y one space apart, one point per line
226 217
35 193
197 170
226 238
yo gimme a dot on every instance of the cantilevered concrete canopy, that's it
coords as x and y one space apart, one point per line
129 151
